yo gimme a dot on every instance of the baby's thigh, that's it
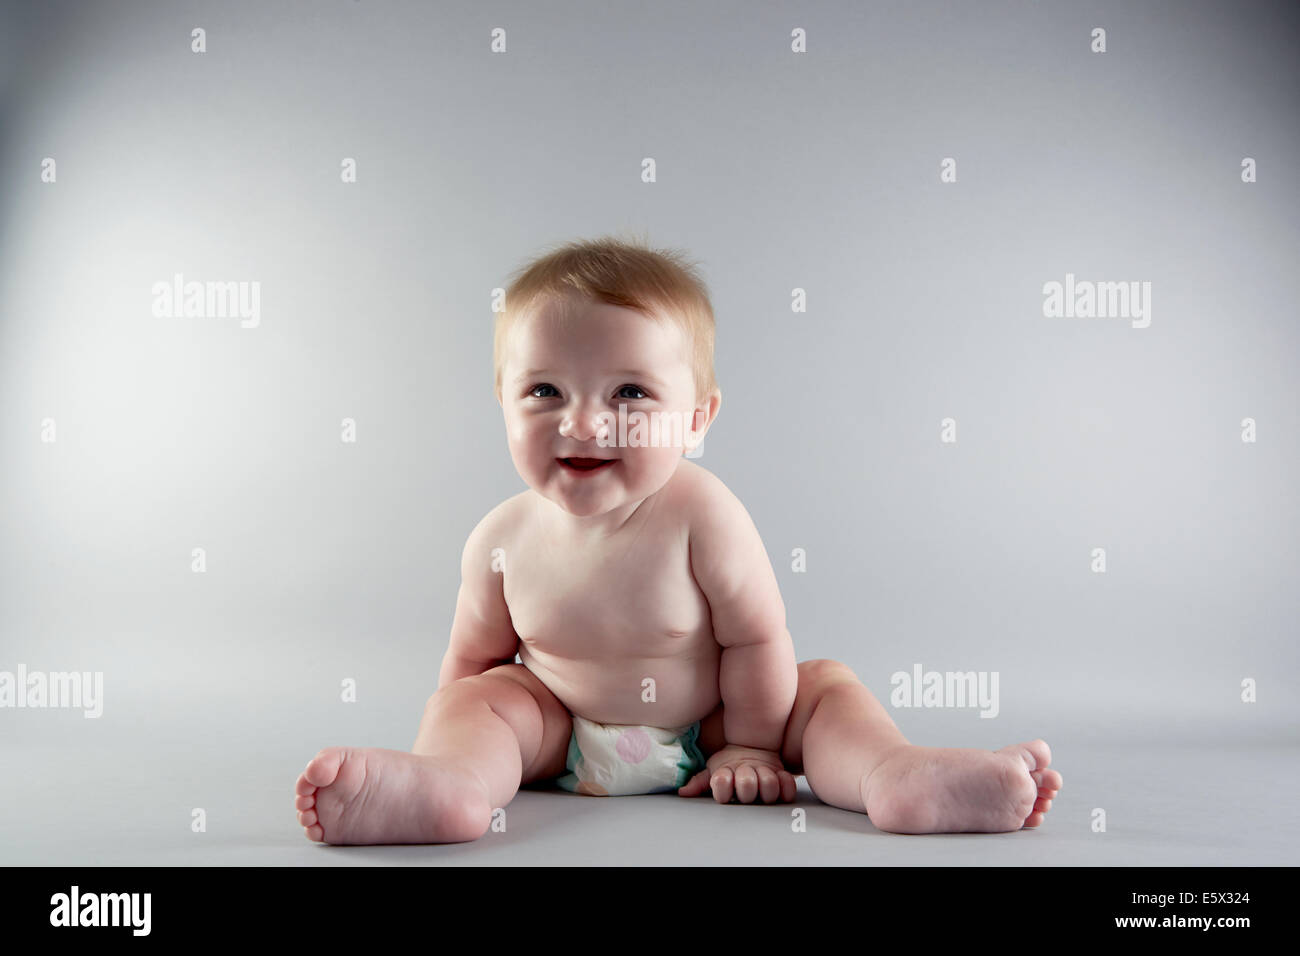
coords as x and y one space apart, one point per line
543 752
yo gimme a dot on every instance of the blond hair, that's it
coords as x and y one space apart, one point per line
659 283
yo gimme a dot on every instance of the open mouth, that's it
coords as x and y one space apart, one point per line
587 464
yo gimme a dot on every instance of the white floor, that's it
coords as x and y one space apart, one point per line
63 804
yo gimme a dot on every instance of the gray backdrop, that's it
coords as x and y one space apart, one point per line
778 170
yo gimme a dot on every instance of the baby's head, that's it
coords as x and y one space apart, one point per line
587 328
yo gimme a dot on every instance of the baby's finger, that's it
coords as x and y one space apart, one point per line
769 787
746 783
695 786
789 786
721 784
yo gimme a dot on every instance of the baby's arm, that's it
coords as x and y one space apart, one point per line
482 635
758 675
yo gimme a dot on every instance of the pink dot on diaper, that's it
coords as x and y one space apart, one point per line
633 745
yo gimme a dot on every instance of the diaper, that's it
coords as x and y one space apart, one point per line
616 760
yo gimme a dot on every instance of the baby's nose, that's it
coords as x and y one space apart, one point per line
583 424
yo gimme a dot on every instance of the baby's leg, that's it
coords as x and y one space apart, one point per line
479 739
855 757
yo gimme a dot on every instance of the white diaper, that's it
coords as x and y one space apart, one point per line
614 760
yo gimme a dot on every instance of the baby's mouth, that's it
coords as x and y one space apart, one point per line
586 464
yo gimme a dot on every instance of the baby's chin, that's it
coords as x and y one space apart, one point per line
585 508
590 496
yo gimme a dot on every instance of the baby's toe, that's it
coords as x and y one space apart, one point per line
1046 779
1042 754
307 817
324 767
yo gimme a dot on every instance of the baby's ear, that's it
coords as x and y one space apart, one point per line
710 406
705 414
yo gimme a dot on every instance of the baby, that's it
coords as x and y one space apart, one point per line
638 595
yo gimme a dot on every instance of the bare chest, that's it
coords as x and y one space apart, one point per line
615 601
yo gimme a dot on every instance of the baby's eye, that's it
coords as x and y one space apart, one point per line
533 390
636 388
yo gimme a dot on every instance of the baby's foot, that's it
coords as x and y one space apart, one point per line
370 795
950 790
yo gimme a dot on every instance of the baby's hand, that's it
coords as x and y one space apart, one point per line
745 771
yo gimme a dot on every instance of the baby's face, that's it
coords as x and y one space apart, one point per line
557 379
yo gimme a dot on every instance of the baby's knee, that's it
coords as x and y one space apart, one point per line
460 691
825 671
502 692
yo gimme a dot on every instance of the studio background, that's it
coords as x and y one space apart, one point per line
776 170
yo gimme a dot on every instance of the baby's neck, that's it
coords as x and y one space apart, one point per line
587 528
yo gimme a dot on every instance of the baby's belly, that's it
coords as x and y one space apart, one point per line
653 692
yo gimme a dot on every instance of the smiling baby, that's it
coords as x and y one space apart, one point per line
638 595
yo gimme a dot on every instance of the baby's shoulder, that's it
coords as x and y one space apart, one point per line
496 528
699 493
